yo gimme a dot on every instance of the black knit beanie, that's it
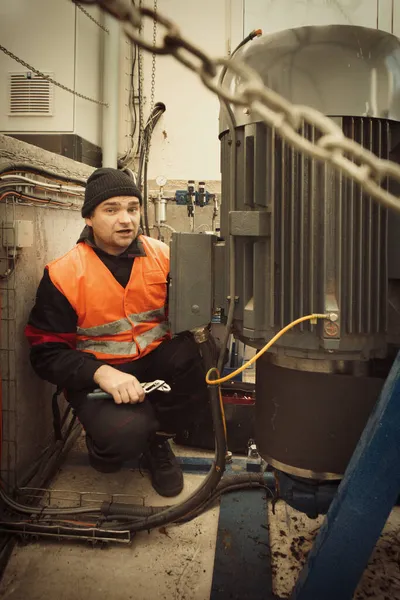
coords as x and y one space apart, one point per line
107 183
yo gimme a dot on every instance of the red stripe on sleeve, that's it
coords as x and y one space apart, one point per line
38 336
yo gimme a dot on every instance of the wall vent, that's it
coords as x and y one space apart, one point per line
30 95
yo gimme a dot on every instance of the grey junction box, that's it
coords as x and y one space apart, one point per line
191 281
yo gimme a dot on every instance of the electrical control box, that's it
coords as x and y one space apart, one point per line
17 234
191 288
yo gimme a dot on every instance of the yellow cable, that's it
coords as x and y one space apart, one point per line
221 403
313 317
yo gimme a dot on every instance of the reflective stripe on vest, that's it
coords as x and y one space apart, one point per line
107 347
123 324
116 324
124 348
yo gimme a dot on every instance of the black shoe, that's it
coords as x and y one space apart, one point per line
166 473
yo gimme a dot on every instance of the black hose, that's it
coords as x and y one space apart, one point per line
126 511
240 481
207 488
61 448
234 487
39 171
227 483
145 201
244 41
174 513
153 119
44 456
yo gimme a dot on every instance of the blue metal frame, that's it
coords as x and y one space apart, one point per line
242 564
361 507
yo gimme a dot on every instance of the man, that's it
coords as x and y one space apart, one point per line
100 321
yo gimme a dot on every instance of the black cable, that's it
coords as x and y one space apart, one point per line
133 103
228 482
236 481
145 200
49 468
174 513
152 121
45 454
211 487
158 110
232 488
245 40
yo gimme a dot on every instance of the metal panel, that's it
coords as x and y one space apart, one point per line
313 65
242 567
220 268
326 248
191 288
250 223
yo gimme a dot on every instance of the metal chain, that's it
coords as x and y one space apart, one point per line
85 12
141 88
43 76
153 79
288 119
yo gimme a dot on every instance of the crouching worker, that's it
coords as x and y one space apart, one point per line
100 321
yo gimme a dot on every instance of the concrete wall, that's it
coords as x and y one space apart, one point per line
26 399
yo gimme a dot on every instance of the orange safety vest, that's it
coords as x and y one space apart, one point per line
115 324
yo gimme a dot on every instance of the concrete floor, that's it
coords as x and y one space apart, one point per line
168 564
174 563
292 535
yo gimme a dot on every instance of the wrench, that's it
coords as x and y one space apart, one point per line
148 388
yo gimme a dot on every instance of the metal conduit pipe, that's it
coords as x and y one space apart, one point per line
111 68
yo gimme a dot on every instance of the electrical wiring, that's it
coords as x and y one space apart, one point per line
18 168
155 115
132 102
29 200
130 153
219 380
27 527
44 511
14 179
11 187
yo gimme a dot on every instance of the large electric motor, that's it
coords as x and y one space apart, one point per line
308 240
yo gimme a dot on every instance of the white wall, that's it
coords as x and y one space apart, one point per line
185 142
275 15
53 36
88 70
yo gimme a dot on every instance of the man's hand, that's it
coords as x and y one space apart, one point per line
124 388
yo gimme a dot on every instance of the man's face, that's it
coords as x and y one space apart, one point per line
115 223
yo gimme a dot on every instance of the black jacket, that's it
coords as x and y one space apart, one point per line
51 329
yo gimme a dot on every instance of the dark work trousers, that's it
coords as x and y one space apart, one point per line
120 432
